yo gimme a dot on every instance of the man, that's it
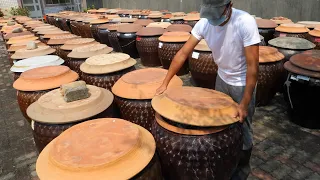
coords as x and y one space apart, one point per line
233 37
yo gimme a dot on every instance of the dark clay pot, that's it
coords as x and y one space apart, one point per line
114 41
143 17
191 23
59 23
103 37
136 111
177 21
95 32
64 56
203 70
74 64
268 34
298 35
26 98
65 24
184 157
16 75
44 133
167 53
57 48
81 29
147 47
269 81
151 171
127 42
74 27
105 81
166 20
315 40
87 30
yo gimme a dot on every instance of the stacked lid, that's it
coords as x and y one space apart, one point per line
292 43
143 83
202 46
292 28
269 54
74 43
111 145
45 78
281 20
315 32
129 28
35 62
196 107
309 24
59 40
89 50
307 64
107 63
150 31
176 36
37 51
266 24
163 25
179 27
17 46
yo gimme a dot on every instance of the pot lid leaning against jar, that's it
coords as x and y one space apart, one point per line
142 83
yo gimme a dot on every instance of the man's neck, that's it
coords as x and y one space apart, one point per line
227 19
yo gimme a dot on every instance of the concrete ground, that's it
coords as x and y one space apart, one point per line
282 150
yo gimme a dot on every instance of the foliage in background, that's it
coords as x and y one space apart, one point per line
19 11
92 7
1 13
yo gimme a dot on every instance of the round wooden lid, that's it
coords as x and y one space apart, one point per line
196 106
176 36
269 54
309 60
297 70
309 24
89 50
163 25
74 43
143 22
179 27
150 31
292 28
129 28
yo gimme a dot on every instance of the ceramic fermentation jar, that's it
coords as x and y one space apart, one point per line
292 30
127 39
266 28
314 36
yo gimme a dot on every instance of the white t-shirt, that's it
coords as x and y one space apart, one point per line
227 44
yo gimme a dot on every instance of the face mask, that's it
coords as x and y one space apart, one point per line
221 20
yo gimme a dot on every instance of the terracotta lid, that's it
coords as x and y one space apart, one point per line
295 69
269 54
21 39
196 106
124 12
167 16
74 43
55 40
309 24
155 15
291 43
192 17
33 22
90 19
266 24
32 26
89 50
92 11
102 10
179 27
10 35
163 25
143 83
176 36
178 14
15 47
107 63
51 108
50 32
281 20
150 31
202 46
292 28
100 21
97 149
111 27
112 16
50 35
43 28
26 53
309 61
124 20
45 78
35 62
315 32
129 28
177 18
143 22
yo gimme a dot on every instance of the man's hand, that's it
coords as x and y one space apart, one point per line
242 113
161 90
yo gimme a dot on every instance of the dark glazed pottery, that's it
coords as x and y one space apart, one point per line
103 36
74 64
127 42
114 41
148 51
74 27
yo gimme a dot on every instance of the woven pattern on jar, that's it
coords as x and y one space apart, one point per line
103 37
64 56
25 99
114 41
128 46
212 156
94 32
148 51
82 31
87 30
74 28
136 111
152 171
105 81
74 65
177 22
16 75
299 35
204 64
57 48
64 24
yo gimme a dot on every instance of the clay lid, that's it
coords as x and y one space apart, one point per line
196 106
10 35
26 53
102 10
266 24
178 14
74 43
43 28
163 25
176 36
143 22
55 40
35 62
150 31
112 27
143 83
129 28
107 63
202 46
167 16
155 15
177 18
90 19
309 24
281 20
179 27
309 61
291 43
97 149
124 12
52 32
8 29
51 108
124 20
295 69
112 11
89 50
15 47
33 26
292 28
110 17
92 11
192 17
100 21
269 54
21 39
50 35
45 78
315 32
33 22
